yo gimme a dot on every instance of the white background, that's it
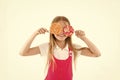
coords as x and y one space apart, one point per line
100 19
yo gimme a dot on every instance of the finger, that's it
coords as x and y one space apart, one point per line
77 31
41 31
46 30
80 31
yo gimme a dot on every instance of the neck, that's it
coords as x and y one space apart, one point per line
61 44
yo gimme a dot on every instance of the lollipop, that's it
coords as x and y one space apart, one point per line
68 30
56 28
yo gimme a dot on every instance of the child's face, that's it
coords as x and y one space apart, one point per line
61 30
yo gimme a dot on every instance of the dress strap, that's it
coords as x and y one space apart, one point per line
70 51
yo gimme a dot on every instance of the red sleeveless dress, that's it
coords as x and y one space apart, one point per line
63 69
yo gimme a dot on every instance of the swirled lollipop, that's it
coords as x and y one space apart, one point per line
56 28
68 30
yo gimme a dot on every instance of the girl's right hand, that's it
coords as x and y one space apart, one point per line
41 31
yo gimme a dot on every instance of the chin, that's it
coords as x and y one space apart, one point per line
61 39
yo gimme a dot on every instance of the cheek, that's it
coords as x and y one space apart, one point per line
56 36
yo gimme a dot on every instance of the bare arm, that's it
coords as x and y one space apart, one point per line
91 50
26 50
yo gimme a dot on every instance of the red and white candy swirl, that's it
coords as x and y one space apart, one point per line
68 30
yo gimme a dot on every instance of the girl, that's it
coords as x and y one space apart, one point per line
60 49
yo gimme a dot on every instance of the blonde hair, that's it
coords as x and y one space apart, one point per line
52 42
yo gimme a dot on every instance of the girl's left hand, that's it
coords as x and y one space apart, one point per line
80 34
